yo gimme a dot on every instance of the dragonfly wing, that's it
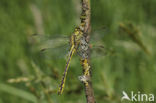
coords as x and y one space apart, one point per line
49 41
101 50
51 46
56 53
98 34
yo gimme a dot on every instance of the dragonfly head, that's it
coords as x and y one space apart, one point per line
77 29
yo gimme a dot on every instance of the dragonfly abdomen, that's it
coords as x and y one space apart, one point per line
61 88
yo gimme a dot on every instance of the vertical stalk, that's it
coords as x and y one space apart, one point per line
86 77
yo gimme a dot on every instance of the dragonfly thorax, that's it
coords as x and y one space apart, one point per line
76 37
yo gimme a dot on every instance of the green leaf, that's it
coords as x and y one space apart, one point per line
18 92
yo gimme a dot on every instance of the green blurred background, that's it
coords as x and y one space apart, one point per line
128 68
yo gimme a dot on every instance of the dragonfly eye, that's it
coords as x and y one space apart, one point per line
77 28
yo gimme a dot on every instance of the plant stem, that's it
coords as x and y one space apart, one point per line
86 78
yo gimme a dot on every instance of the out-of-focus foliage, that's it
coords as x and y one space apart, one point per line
128 68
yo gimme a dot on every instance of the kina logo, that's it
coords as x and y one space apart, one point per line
137 97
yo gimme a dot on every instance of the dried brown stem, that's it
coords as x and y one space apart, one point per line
85 21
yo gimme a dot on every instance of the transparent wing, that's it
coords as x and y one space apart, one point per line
98 48
51 46
45 42
98 34
101 50
57 52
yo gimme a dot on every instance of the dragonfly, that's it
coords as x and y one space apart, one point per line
75 41
58 45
